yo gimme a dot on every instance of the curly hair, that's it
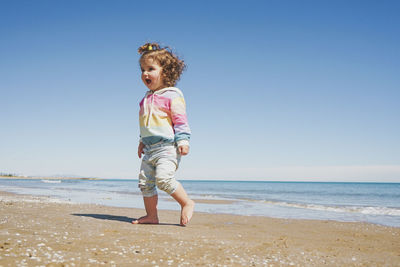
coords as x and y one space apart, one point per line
172 66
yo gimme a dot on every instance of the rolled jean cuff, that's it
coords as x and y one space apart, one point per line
149 194
173 185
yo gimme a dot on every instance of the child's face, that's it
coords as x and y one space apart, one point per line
151 74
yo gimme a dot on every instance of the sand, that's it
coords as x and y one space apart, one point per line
37 231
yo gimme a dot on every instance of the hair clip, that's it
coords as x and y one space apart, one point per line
147 48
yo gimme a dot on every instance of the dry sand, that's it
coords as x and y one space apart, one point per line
34 231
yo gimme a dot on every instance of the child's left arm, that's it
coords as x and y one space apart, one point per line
180 124
183 150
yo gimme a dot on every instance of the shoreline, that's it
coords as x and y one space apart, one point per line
39 231
234 206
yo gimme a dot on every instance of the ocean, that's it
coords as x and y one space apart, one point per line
377 203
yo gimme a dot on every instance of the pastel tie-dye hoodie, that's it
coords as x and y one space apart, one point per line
162 117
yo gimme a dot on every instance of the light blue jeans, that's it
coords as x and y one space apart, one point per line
159 164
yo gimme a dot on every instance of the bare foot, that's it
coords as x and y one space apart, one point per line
146 220
187 212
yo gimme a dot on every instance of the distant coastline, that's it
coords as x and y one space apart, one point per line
47 178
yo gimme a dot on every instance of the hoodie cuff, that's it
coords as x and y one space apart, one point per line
183 142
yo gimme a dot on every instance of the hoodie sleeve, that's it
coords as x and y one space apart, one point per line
179 120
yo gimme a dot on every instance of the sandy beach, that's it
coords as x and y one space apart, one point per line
38 231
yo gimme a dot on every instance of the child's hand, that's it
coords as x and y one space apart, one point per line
183 150
140 150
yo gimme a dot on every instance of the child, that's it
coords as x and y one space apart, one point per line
164 131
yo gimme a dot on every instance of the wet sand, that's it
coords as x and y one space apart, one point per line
37 231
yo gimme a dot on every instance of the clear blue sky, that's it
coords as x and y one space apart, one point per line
275 90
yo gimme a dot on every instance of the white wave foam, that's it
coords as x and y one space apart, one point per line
51 181
351 209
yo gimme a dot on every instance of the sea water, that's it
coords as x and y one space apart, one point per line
363 202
